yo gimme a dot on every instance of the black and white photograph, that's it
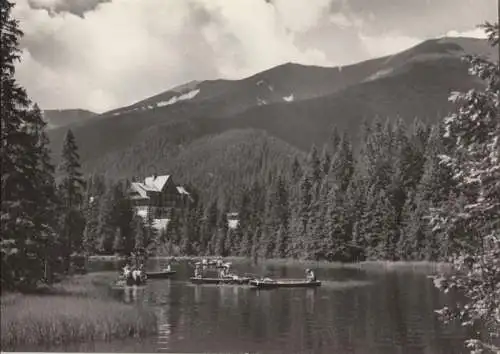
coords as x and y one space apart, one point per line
250 176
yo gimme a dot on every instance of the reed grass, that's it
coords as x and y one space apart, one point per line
77 310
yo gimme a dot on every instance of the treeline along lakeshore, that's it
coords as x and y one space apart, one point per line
333 204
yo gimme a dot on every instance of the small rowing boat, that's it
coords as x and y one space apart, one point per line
160 275
228 280
283 283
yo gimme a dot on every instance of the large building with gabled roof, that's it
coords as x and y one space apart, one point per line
157 195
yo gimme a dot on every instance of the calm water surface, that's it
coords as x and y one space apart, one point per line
354 311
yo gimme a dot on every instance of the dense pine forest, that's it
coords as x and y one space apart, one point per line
333 205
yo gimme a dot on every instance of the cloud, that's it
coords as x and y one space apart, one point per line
76 7
475 33
300 15
387 45
126 50
101 54
341 20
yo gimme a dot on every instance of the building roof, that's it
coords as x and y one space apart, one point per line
138 189
152 184
156 183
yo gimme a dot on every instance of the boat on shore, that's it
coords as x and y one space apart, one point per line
161 274
283 283
228 280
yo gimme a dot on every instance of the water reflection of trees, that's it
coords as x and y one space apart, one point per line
394 315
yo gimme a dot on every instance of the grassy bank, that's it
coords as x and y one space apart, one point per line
77 310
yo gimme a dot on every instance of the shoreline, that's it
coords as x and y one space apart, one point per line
364 265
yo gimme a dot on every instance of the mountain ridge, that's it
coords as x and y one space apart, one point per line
295 103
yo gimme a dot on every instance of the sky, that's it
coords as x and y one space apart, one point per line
103 54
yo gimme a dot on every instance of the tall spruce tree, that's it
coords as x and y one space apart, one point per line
48 202
71 190
27 229
105 227
123 219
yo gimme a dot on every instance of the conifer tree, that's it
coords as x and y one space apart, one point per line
123 218
415 242
48 202
256 245
91 210
71 191
314 171
357 249
106 228
296 171
280 242
118 244
342 164
27 231
140 235
337 235
189 231
246 244
221 232
174 226
95 189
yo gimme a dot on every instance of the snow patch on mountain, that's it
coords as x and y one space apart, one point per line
379 74
190 86
186 96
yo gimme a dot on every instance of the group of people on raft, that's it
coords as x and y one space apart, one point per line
224 271
134 275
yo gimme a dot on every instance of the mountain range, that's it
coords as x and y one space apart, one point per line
287 108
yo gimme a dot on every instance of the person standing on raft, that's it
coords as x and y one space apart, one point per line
310 276
197 271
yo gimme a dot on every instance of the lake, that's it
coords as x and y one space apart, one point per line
354 311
